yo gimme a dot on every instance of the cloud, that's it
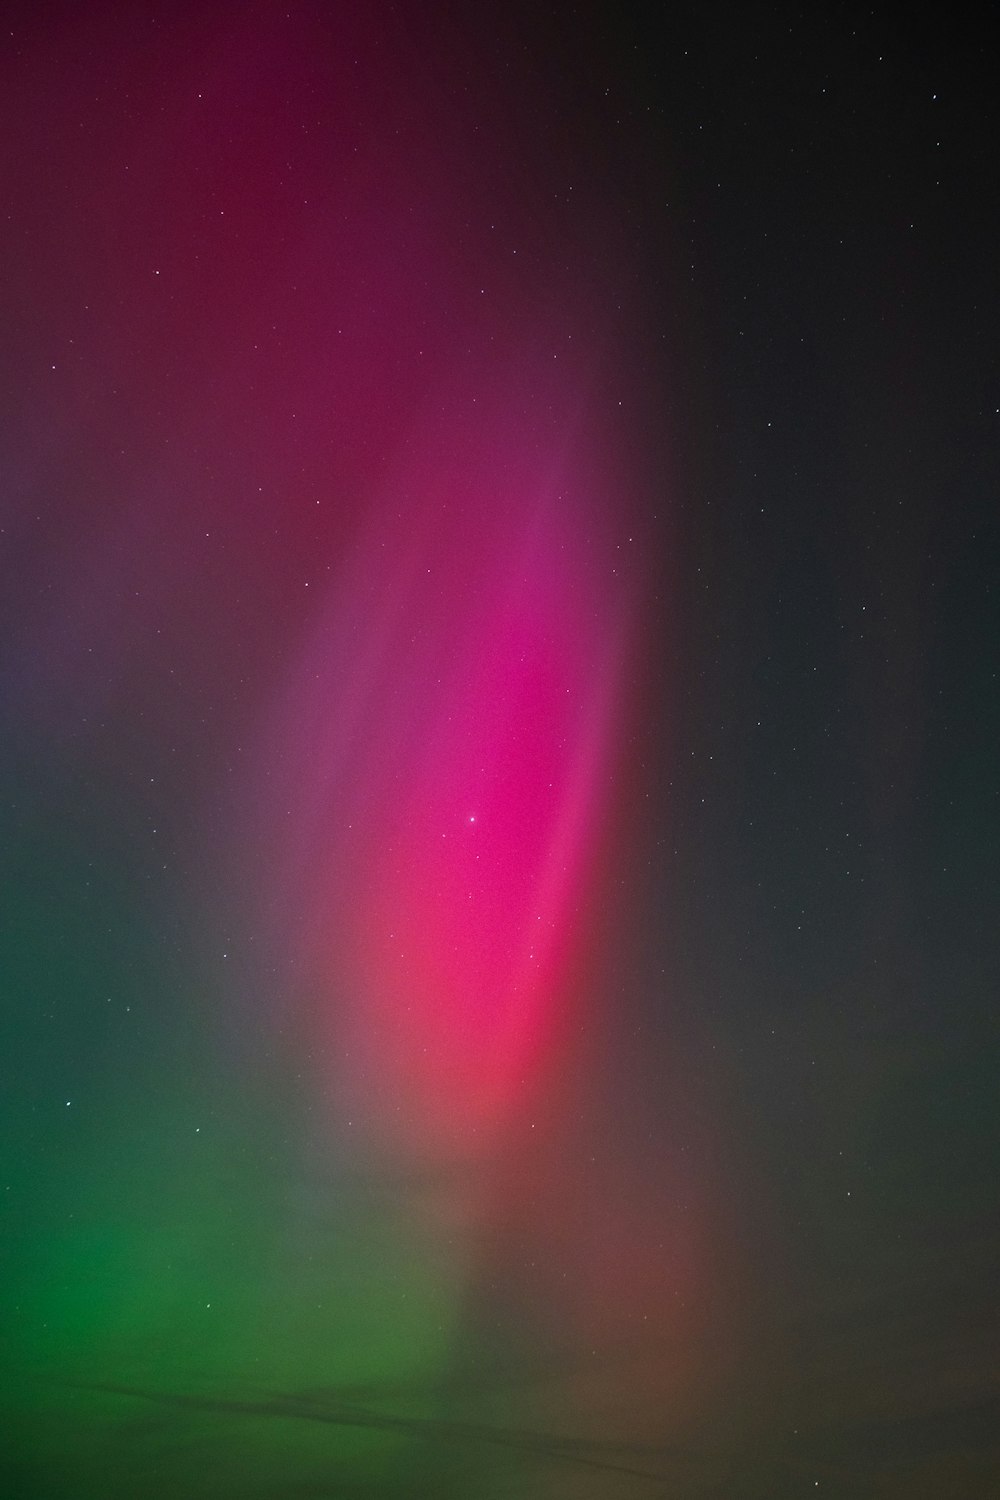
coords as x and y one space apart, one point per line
337 1411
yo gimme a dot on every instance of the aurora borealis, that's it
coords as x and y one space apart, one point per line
498 781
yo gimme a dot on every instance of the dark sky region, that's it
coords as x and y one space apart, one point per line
498 766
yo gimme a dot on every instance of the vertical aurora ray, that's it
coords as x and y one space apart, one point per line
450 784
433 786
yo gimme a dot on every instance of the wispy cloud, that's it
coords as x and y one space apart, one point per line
326 1407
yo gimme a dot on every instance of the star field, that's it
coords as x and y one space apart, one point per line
498 776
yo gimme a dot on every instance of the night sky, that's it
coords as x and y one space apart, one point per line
499 750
